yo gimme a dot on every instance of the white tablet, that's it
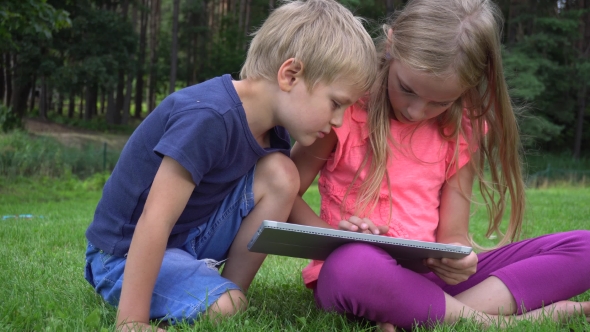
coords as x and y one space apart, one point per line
279 238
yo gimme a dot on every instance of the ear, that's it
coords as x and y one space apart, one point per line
389 39
290 72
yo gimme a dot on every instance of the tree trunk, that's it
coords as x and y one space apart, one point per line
242 14
154 39
103 100
583 47
20 93
50 101
8 74
21 84
33 94
174 48
120 93
43 99
112 116
91 100
203 43
121 75
60 103
141 60
81 109
389 7
247 22
580 121
129 87
2 78
71 104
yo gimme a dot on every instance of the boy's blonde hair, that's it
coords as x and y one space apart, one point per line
324 36
461 38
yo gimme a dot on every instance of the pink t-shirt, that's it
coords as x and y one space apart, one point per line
420 165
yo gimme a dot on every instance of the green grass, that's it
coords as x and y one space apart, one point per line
42 260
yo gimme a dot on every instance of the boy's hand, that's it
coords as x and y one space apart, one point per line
453 271
364 225
139 327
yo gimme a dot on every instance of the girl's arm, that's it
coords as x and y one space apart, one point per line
167 199
309 161
453 226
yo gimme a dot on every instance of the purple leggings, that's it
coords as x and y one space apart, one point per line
364 281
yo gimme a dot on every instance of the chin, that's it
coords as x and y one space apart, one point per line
305 141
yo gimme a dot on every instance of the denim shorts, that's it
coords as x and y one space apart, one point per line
189 280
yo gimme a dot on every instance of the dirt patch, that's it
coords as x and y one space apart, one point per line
72 136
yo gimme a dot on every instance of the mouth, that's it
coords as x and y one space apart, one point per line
405 118
323 134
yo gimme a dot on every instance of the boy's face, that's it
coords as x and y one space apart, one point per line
310 115
417 96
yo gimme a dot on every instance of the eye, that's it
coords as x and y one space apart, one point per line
443 104
404 89
335 105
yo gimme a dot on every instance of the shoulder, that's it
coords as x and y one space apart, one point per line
216 94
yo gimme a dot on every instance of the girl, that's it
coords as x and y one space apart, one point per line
403 163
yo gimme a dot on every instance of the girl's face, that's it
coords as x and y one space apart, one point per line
417 96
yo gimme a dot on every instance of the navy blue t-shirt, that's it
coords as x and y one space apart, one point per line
204 128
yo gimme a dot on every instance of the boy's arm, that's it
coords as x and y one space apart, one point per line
167 199
309 161
453 226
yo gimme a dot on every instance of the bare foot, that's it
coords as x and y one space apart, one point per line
385 327
559 311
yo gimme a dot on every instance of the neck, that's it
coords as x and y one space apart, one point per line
257 100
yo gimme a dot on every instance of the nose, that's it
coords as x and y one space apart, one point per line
336 120
416 110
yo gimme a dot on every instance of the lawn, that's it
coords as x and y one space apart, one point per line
42 260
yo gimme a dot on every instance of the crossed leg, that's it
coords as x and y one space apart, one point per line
516 282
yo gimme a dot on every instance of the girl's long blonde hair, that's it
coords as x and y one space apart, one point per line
458 37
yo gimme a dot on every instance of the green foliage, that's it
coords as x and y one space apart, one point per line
8 120
520 69
545 71
31 17
25 155
93 56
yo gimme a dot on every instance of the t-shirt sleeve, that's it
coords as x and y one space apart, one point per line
195 139
466 147
353 123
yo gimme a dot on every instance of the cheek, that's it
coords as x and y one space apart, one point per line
397 100
436 112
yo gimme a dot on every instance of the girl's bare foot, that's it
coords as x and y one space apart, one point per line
559 311
385 327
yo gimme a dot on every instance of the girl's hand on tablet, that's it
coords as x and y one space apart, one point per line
453 271
364 225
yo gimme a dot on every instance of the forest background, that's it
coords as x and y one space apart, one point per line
105 64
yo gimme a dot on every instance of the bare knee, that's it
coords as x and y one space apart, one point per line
228 304
277 175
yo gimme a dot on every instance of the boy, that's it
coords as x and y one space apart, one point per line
202 171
